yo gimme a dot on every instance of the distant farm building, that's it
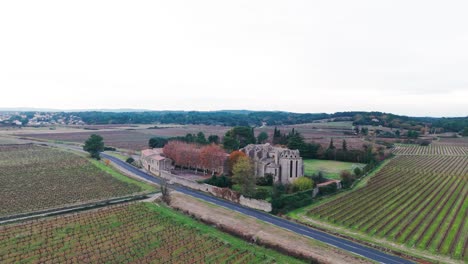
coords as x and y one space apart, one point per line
284 164
154 161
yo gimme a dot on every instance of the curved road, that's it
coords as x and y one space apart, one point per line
347 245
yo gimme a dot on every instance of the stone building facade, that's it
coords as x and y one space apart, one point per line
284 164
154 161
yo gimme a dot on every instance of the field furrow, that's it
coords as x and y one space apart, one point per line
130 233
418 199
34 178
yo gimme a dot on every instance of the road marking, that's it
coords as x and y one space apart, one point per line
279 222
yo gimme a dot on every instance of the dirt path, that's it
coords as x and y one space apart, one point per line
261 232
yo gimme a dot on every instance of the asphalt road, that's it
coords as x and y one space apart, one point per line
344 244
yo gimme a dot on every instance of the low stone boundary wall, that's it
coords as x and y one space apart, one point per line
315 192
256 204
65 209
224 193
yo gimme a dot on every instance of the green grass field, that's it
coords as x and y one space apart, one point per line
143 185
330 168
117 155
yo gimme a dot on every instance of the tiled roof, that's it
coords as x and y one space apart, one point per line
328 182
149 152
157 157
153 154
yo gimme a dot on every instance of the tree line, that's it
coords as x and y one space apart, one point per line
199 138
272 118
311 150
258 118
240 136
225 118
193 156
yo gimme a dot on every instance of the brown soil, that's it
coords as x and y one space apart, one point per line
136 137
260 232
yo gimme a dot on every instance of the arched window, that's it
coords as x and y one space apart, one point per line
291 169
296 168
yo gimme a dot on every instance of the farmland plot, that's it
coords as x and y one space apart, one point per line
134 139
126 139
131 233
461 142
137 138
34 178
8 140
417 200
446 150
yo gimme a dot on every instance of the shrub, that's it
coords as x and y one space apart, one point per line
157 142
302 184
222 181
424 143
106 148
319 178
369 167
289 202
328 189
130 160
464 133
95 155
236 187
357 171
262 193
279 189
347 178
265 181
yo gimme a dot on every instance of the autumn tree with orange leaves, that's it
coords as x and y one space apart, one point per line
233 158
213 158
188 155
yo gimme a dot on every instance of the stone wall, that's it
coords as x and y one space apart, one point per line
256 204
192 185
315 192
224 193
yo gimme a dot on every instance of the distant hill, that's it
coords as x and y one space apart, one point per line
272 118
255 118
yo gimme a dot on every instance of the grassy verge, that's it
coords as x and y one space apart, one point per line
116 174
117 155
211 231
378 242
144 186
266 233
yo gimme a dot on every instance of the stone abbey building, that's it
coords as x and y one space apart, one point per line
284 164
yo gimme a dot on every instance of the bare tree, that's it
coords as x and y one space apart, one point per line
166 194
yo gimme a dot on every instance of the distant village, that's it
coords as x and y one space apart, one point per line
38 119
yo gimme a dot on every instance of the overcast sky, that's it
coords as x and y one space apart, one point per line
405 57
